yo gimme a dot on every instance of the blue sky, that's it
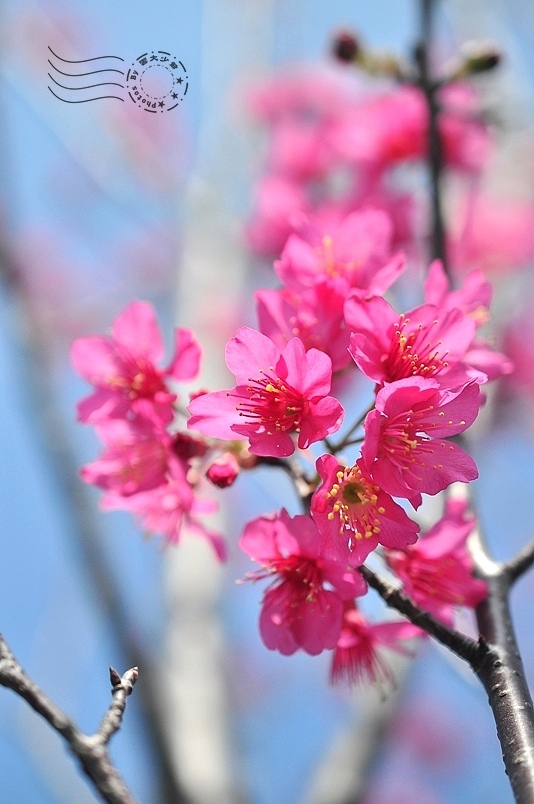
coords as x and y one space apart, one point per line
74 203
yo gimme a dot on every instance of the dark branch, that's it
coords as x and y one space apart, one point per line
91 751
462 645
429 87
503 676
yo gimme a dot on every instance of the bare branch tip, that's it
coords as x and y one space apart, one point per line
115 678
132 675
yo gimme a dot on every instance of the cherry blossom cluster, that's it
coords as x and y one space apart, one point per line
325 329
335 146
146 466
329 321
427 366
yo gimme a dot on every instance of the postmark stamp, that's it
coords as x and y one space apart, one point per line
156 81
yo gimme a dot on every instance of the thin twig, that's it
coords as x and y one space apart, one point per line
522 562
303 485
91 751
462 645
121 687
345 441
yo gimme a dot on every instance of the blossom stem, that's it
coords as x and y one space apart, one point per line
346 440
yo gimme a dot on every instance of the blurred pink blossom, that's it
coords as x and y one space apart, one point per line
437 571
392 127
168 507
356 657
315 316
357 251
122 367
303 606
135 458
491 233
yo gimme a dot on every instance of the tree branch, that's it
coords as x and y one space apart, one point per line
429 87
462 645
91 751
503 676
522 562
121 687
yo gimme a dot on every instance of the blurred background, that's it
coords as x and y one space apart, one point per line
101 204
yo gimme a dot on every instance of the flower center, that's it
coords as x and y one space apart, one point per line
274 405
353 500
415 352
353 493
140 379
333 267
298 580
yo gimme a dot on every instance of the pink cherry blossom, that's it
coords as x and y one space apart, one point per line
223 471
392 127
492 233
465 135
519 344
305 93
357 251
299 150
482 357
279 393
277 200
472 298
404 448
437 571
315 316
167 508
356 657
135 459
303 606
354 514
123 369
427 341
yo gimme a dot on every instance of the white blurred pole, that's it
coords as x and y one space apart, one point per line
235 38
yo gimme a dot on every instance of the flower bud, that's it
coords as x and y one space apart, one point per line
345 47
477 57
223 471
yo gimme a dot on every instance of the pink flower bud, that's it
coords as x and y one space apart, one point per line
223 471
